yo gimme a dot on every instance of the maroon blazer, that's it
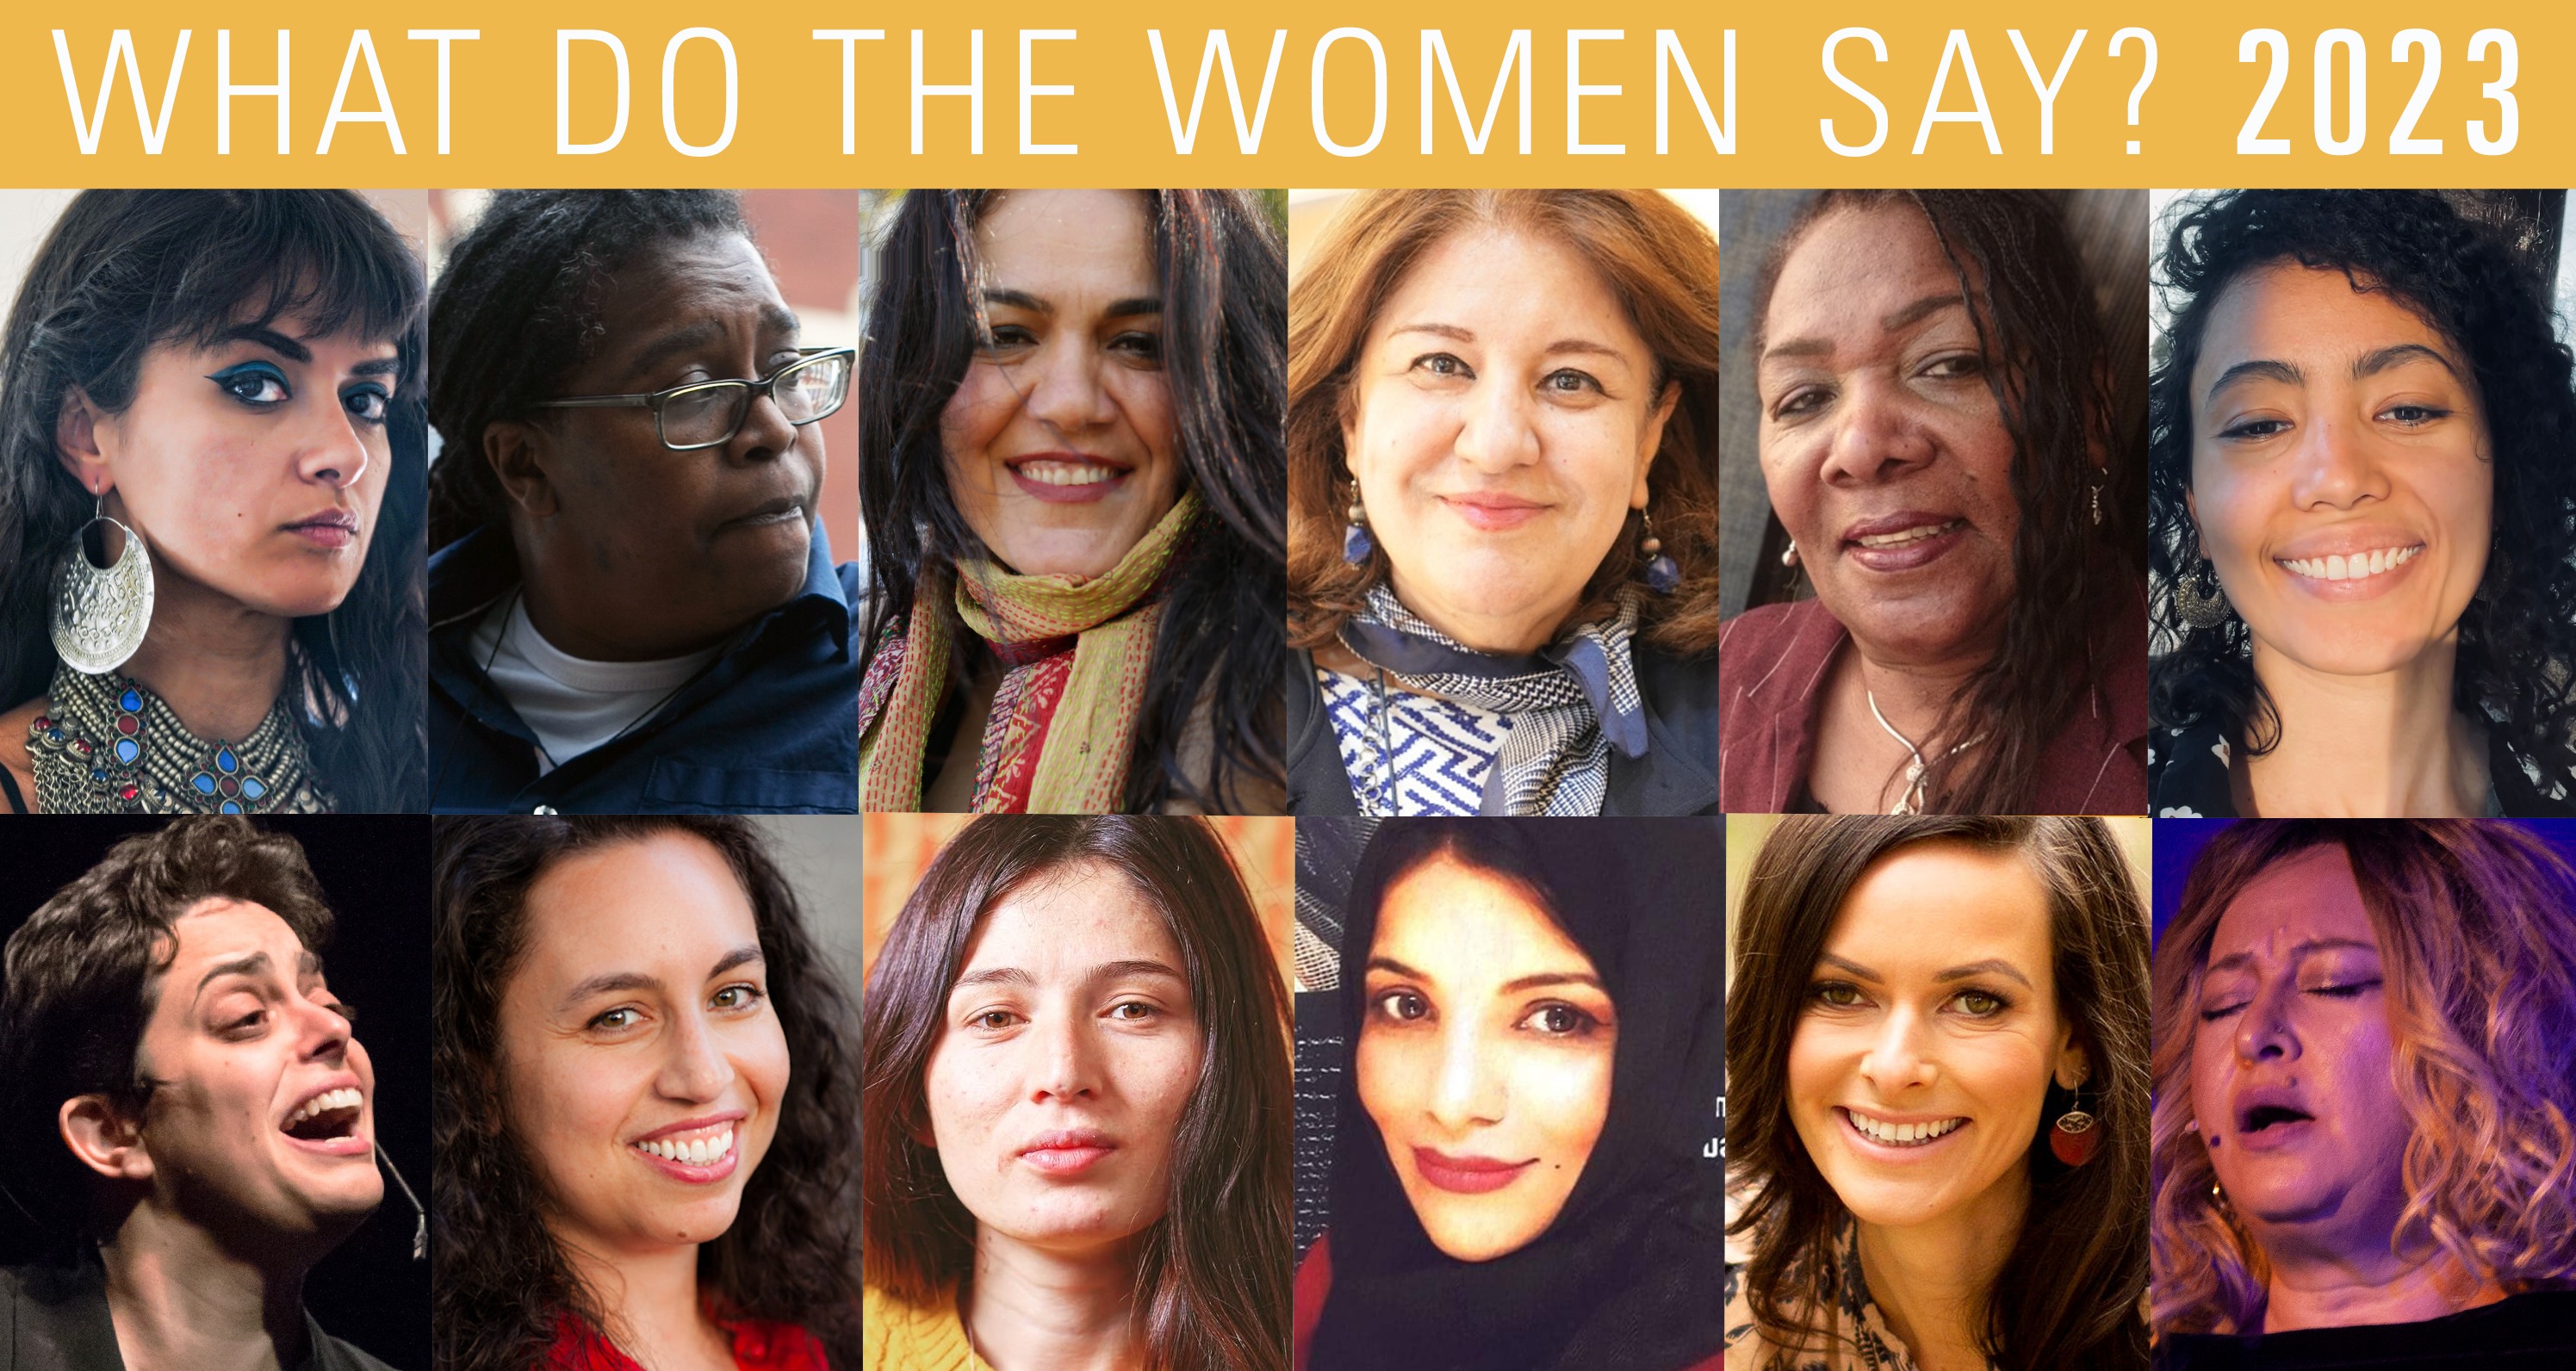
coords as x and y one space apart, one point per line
1771 661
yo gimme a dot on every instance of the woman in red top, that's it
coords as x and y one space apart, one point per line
645 1093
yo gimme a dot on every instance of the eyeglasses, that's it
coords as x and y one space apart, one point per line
704 414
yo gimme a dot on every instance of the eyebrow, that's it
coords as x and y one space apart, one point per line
773 318
1991 966
1106 971
1129 308
255 964
2262 368
268 338
1902 318
2398 355
639 980
2234 960
1535 981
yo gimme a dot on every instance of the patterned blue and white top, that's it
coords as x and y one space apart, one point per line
1430 756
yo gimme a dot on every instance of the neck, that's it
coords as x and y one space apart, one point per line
2313 1286
1913 695
1931 1281
181 1300
1508 633
1032 1308
216 662
650 1300
2368 746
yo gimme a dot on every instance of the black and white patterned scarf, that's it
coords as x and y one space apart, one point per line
1570 702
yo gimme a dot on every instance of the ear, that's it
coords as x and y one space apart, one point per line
77 442
1651 441
104 1138
2074 1068
518 452
2191 508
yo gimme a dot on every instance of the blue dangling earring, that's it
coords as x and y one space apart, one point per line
1356 545
1663 574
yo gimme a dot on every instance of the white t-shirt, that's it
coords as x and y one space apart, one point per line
571 704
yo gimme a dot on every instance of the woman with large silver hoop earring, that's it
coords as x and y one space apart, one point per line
228 380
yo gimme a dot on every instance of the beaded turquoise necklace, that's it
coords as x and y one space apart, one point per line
108 745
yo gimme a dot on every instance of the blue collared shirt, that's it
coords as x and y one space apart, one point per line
771 727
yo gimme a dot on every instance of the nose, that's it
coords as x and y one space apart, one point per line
1877 437
1497 430
694 1067
335 451
1469 1091
2333 465
327 1032
2266 1033
1895 1061
1064 388
1066 1068
765 431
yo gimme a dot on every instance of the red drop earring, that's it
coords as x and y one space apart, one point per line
2075 1136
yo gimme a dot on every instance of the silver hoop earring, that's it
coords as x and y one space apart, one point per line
100 614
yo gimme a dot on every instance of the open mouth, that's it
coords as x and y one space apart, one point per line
2352 566
1066 478
1907 537
333 1114
706 1151
2267 1116
1888 1134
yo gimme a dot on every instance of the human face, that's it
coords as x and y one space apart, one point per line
642 1065
242 1037
1882 445
1058 439
1068 1050
1484 1057
253 466
2292 1079
1930 1031
1502 418
654 552
2331 426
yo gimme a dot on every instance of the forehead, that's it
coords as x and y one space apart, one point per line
1855 264
1068 919
220 928
1461 923
670 281
2286 310
1931 905
2304 897
666 895
1496 280
1068 238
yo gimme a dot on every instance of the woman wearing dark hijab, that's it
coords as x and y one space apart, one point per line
1516 1183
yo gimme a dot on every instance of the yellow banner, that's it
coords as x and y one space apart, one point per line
657 92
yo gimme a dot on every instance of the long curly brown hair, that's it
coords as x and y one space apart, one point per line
500 1282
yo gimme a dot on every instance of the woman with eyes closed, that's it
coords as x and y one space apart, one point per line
1937 1124
1502 580
211 458
1069 465
1940 441
1076 1122
1517 1179
644 1094
2363 1090
2364 524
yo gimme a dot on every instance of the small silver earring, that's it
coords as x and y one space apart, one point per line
100 613
2096 487
1789 554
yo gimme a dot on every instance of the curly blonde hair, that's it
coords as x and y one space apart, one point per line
2477 929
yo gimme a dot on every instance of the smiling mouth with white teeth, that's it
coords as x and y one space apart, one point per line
1902 537
1067 473
331 1114
1901 1134
705 1151
2349 567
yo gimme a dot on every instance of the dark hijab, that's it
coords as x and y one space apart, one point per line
1630 1274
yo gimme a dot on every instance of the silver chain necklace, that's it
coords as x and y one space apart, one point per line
1916 769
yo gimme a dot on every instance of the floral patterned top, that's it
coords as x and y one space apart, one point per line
2187 778
1856 1334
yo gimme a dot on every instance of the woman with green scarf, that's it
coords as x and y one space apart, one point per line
1073 474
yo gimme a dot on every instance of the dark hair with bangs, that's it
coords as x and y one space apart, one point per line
500 1282
2067 1297
517 309
2048 364
2517 642
1223 267
1212 1275
80 985
127 270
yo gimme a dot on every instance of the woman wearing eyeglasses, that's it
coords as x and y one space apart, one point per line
633 608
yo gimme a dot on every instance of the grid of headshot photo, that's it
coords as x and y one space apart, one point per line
1262 779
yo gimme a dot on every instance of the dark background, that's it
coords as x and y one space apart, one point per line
2178 844
374 871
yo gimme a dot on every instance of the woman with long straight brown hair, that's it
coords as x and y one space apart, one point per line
1075 1113
1937 1124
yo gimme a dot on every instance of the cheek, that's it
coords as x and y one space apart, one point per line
1566 1093
1788 467
964 1093
1159 1076
977 412
1145 398
1399 432
1390 1074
